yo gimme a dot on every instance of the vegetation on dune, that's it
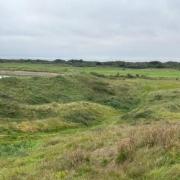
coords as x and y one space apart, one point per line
115 152
35 91
158 105
84 125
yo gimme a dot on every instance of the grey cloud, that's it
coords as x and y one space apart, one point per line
90 29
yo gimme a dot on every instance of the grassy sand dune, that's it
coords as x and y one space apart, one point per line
85 125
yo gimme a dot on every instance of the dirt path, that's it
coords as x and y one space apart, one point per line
27 73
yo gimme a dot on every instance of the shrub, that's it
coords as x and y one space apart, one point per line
165 136
113 103
130 76
76 158
125 150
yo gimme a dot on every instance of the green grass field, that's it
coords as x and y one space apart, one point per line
166 73
90 123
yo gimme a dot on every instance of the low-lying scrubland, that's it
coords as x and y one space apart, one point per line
84 125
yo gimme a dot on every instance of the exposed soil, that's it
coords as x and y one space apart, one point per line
27 73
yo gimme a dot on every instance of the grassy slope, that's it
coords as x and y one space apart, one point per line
82 126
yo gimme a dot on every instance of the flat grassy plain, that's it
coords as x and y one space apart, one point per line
90 123
58 68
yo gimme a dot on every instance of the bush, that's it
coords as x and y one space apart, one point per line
125 150
165 136
76 158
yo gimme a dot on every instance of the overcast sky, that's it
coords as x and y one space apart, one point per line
90 29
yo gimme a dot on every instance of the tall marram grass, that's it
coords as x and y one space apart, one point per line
147 149
165 136
116 152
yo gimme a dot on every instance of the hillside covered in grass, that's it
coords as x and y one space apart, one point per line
90 124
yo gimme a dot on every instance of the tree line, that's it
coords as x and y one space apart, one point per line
83 63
